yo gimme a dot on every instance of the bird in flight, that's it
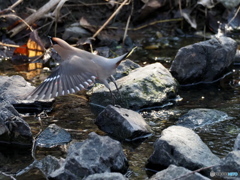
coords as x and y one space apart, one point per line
79 70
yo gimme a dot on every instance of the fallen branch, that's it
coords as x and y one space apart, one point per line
140 27
15 4
35 16
8 175
128 22
196 171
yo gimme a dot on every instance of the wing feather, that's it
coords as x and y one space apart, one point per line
72 75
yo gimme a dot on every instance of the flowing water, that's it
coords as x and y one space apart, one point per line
73 113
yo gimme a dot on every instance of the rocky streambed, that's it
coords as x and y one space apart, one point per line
174 122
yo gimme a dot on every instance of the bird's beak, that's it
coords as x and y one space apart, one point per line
51 39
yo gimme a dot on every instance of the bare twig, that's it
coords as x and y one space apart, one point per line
24 22
234 16
15 4
8 175
9 45
56 13
110 18
128 22
35 16
188 174
143 26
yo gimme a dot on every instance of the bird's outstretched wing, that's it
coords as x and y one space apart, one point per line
70 76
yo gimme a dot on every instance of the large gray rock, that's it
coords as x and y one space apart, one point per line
204 61
125 68
13 129
97 154
182 147
53 136
180 173
123 124
145 86
14 88
106 176
201 117
230 4
237 143
230 163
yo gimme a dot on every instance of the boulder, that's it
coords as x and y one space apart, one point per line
53 136
181 146
230 4
48 164
230 163
97 154
123 124
13 129
237 143
106 176
144 86
14 88
201 117
205 61
176 172
125 68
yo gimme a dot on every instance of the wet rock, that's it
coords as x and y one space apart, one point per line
106 176
33 107
97 154
14 88
237 57
201 117
125 68
237 143
6 53
48 164
204 61
123 124
144 86
230 4
13 129
230 163
176 172
182 147
53 136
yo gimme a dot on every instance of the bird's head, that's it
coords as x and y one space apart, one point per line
59 44
61 47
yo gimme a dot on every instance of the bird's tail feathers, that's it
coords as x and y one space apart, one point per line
124 56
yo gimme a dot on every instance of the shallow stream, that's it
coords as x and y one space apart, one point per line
73 113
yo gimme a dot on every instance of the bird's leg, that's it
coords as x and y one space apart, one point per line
38 117
113 97
114 81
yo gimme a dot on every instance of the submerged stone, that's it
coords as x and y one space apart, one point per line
53 136
201 117
106 176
